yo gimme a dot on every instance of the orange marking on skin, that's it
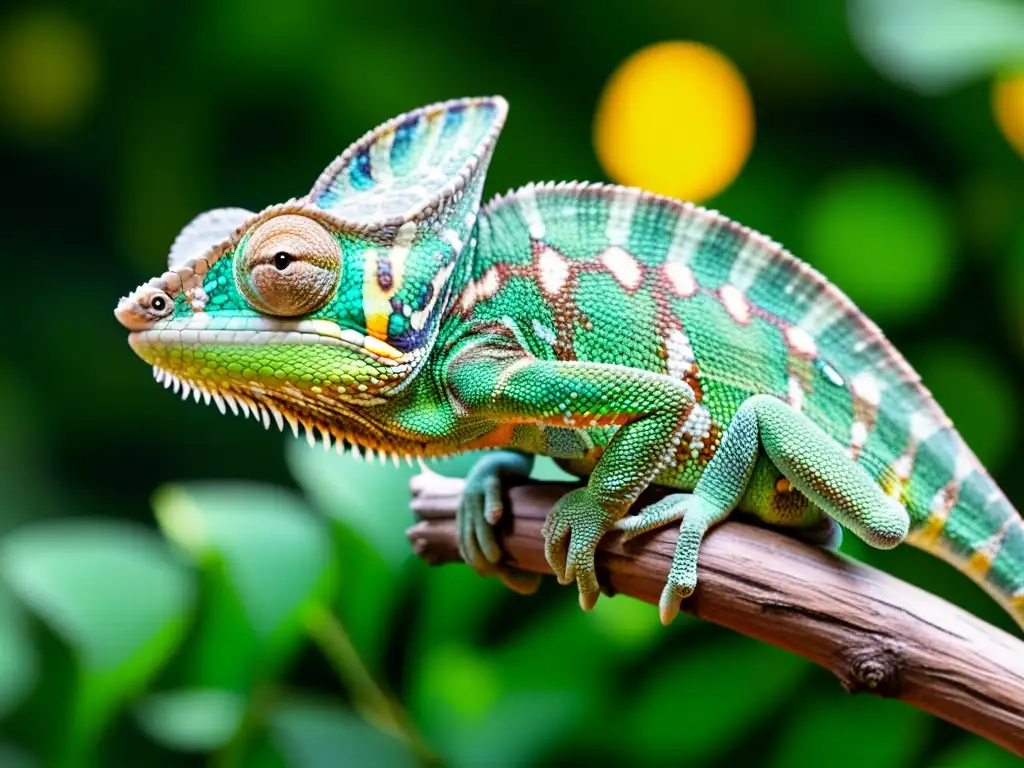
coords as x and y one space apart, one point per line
978 564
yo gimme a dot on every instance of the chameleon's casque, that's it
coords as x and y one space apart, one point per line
633 338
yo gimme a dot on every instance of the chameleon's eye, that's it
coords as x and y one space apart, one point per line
290 266
159 304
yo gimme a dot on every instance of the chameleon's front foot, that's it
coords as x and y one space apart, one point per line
480 509
571 535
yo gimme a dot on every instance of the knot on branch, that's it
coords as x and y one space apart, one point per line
875 669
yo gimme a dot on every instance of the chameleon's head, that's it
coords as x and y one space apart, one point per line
314 310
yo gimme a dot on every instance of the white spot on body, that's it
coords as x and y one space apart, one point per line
796 393
800 342
553 271
964 464
735 303
544 333
680 279
620 215
452 238
680 353
823 312
623 267
687 234
697 424
867 388
755 254
923 426
527 198
858 435
904 465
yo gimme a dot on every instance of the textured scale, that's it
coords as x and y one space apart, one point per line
631 337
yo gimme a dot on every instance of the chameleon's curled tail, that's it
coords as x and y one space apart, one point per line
978 531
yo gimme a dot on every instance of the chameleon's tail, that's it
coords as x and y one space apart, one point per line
976 529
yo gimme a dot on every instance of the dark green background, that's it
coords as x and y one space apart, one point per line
123 642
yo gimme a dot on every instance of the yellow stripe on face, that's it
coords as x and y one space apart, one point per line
377 299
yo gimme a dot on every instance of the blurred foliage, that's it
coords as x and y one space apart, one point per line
178 588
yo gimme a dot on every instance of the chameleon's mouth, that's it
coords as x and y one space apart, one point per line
304 373
248 330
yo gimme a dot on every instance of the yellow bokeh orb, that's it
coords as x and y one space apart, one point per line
675 118
1008 108
49 71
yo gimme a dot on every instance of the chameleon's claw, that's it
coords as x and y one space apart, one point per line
671 596
571 535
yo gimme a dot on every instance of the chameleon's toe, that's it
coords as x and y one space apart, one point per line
481 508
657 515
698 514
571 535
673 593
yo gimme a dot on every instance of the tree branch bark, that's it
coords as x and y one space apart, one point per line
873 631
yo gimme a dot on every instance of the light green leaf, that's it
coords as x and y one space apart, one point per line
18 660
868 221
315 735
113 592
717 692
265 555
370 498
196 720
854 730
14 757
933 46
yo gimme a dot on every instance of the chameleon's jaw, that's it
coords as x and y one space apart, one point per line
297 372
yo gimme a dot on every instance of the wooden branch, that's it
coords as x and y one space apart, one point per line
873 631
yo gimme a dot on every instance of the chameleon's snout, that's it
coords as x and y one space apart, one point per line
139 310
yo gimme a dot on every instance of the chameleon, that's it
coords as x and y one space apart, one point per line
633 338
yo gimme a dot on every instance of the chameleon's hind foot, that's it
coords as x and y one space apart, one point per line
480 509
698 515
571 535
656 515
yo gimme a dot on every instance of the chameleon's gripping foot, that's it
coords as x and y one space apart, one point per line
480 509
571 535
697 515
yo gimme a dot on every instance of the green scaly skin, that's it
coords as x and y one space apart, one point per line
633 338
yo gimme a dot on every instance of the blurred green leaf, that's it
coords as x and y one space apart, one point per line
116 596
935 45
14 757
266 557
854 731
196 720
472 711
315 735
721 692
369 497
884 238
974 752
368 505
18 660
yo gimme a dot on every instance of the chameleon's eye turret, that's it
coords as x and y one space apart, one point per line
289 266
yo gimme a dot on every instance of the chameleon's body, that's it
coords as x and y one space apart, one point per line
631 337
